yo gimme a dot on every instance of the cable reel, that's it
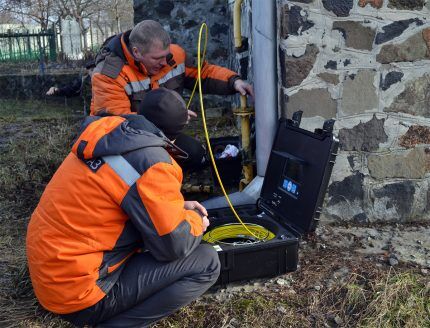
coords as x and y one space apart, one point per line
236 234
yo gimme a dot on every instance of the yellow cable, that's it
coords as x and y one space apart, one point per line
199 82
236 231
204 55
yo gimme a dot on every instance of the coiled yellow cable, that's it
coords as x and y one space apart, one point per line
237 234
254 232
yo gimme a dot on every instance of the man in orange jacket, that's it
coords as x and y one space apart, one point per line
143 59
112 241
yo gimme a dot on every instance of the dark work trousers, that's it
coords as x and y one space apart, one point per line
148 290
196 153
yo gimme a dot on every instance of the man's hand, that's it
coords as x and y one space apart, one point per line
205 223
199 208
191 114
51 91
243 88
196 206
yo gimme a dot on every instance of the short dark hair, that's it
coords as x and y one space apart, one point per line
144 34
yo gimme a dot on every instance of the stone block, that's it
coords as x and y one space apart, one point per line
331 64
408 165
356 35
346 198
426 37
395 29
364 136
359 93
314 102
374 3
165 7
417 134
349 189
390 79
294 70
294 21
406 4
415 99
329 78
413 49
340 8
393 201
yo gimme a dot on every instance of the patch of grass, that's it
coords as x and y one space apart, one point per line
32 148
30 159
12 110
401 300
254 309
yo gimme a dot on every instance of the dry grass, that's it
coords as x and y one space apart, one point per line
333 287
364 296
32 148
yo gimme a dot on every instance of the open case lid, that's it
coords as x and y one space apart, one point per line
298 173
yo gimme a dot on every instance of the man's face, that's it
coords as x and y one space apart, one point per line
154 59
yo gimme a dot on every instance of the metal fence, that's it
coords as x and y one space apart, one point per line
28 46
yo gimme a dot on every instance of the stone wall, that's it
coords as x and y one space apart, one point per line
365 63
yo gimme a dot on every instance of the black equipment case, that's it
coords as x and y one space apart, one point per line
290 203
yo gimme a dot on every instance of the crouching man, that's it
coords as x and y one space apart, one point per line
112 242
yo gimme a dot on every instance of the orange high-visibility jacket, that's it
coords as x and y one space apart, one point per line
118 191
119 82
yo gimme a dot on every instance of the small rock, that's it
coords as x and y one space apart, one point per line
282 310
373 234
393 261
322 246
419 242
233 323
424 271
281 282
338 320
317 288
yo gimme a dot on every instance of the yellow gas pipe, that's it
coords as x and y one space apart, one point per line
236 24
245 126
243 112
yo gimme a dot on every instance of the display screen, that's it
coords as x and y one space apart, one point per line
293 170
290 187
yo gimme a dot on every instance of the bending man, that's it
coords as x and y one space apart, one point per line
143 59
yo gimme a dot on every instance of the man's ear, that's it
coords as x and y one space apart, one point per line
135 52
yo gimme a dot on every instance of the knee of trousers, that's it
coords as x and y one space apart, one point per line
208 259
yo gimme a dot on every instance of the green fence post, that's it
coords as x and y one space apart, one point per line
52 46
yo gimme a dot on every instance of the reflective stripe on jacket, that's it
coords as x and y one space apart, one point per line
117 192
119 82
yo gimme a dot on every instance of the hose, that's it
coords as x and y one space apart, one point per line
249 229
